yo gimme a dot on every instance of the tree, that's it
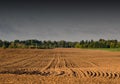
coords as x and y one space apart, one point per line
77 45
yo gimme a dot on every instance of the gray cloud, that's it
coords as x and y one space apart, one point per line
57 21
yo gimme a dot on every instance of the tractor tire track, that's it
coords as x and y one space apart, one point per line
109 75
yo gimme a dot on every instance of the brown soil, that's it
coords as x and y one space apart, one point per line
59 66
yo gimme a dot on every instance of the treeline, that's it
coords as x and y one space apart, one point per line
101 43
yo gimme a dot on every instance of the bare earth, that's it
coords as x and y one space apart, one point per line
59 66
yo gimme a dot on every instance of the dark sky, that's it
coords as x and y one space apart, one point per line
71 20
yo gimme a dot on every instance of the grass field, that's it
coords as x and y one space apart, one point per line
105 49
59 66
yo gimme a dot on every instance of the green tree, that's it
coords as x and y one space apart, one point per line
77 45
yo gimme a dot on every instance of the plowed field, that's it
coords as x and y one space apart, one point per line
59 66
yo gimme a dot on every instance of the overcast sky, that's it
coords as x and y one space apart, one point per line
71 20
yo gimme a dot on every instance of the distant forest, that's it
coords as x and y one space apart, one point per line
101 43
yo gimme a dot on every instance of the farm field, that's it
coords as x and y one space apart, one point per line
59 66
